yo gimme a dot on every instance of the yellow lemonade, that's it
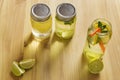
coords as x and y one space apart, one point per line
42 27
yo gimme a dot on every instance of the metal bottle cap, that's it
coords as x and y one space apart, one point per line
40 12
65 12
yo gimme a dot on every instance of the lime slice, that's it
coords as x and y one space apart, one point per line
67 34
95 66
16 70
27 63
59 34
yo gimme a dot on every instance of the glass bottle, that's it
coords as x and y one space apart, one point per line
99 34
41 21
65 20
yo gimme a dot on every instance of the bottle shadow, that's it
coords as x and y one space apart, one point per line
57 47
46 52
39 50
56 57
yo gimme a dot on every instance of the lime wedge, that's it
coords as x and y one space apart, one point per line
95 66
16 70
27 63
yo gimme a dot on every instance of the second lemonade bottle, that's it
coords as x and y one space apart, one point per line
65 20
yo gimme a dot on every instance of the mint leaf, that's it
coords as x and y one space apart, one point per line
103 27
99 24
104 31
66 22
69 22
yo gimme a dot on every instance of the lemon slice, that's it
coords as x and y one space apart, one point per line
27 63
16 70
93 52
95 66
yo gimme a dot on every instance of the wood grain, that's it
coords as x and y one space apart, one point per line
56 59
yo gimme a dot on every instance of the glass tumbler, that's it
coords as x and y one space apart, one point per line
98 36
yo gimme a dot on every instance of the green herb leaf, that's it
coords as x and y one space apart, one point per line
99 24
103 27
104 31
68 22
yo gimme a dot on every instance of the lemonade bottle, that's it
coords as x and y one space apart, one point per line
65 20
41 21
99 34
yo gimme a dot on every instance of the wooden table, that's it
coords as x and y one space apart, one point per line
56 59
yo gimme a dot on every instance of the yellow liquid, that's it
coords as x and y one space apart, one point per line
42 27
92 52
64 31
